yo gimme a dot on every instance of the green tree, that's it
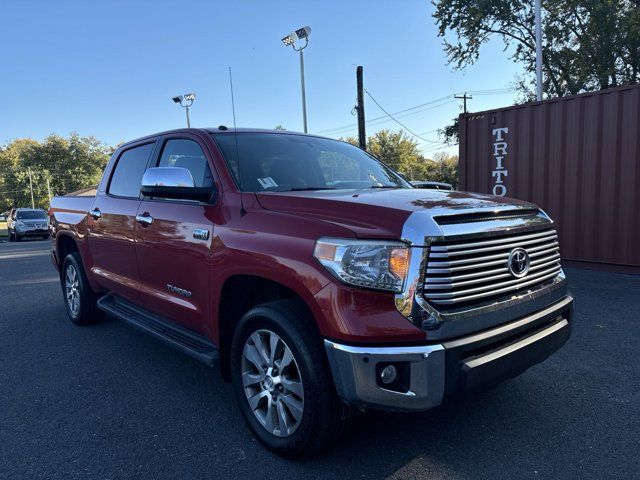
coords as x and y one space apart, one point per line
396 149
588 44
60 164
401 153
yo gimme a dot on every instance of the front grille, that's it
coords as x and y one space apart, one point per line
467 271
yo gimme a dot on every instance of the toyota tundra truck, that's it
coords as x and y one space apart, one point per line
317 279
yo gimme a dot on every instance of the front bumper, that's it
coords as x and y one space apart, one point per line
34 232
430 373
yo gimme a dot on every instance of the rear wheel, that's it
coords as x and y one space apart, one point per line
281 380
79 299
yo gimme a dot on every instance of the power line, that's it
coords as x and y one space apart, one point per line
385 117
403 113
396 120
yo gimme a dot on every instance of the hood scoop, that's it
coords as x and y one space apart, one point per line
486 216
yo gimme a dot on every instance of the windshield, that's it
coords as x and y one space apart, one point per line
286 162
31 215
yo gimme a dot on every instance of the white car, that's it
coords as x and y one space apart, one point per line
27 222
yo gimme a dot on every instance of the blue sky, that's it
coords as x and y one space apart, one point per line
110 68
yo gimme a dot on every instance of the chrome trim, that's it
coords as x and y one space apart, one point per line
354 374
536 251
144 219
495 241
201 234
435 370
448 254
421 230
452 282
474 293
490 282
168 177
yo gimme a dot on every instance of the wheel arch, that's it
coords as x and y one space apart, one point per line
238 295
65 244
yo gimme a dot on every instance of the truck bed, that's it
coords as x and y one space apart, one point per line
69 212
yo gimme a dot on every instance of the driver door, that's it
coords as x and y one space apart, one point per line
174 239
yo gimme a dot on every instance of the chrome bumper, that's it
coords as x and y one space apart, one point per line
355 374
434 372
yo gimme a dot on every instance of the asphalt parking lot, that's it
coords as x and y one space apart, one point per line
107 402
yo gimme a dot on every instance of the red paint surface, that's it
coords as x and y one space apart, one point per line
274 239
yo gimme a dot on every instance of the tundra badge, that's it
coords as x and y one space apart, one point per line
180 291
201 234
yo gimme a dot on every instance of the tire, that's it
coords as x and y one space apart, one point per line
17 237
319 421
11 239
79 299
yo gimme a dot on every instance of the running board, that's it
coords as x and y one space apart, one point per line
164 330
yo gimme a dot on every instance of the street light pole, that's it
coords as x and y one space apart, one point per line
304 97
301 33
185 101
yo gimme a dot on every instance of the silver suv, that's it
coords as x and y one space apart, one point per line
27 222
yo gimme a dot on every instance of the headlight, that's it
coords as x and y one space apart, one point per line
365 263
20 225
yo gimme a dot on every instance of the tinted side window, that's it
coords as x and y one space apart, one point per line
127 177
187 154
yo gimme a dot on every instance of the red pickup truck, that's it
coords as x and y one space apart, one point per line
317 279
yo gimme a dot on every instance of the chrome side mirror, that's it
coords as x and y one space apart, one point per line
174 183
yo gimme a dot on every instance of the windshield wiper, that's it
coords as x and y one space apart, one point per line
302 189
385 186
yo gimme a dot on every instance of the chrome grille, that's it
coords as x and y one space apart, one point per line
471 271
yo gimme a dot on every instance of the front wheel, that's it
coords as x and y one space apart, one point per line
79 299
281 380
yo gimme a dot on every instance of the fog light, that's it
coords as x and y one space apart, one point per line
388 374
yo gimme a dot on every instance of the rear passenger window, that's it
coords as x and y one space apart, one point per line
187 154
127 176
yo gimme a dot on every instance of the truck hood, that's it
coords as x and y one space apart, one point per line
381 213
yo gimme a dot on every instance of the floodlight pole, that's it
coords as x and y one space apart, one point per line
187 110
186 106
304 97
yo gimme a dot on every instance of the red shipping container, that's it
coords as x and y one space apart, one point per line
576 157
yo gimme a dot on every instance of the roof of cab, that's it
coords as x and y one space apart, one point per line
217 130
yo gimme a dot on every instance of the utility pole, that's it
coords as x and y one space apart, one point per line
538 8
31 188
362 135
49 190
464 99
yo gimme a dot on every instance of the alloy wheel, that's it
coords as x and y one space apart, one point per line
72 289
272 383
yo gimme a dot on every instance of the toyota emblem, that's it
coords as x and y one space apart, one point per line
519 262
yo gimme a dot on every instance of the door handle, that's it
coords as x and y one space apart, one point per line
145 219
95 213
